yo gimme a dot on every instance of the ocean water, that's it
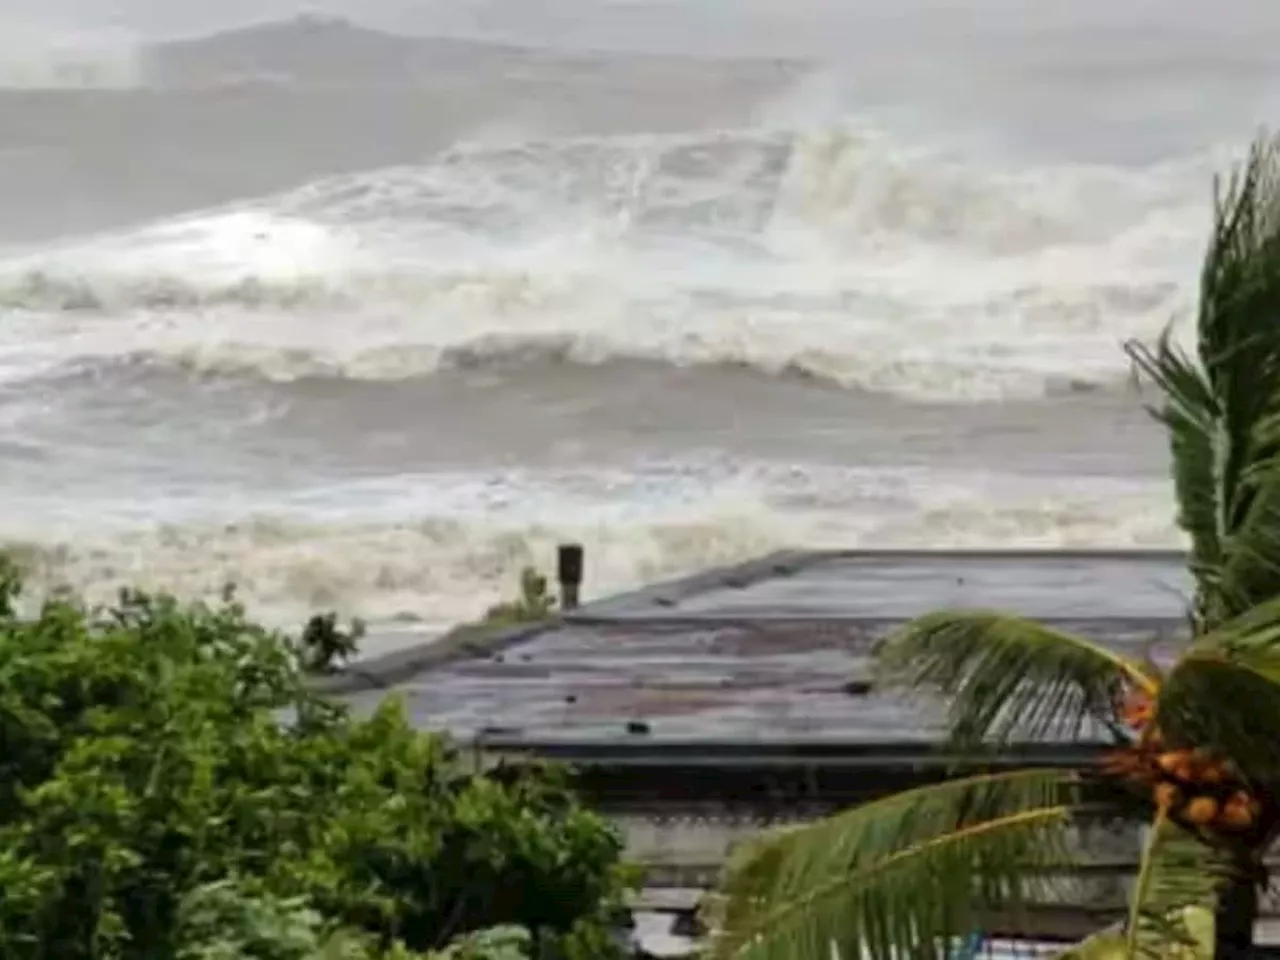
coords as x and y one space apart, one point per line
373 332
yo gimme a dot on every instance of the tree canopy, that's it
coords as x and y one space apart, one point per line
163 764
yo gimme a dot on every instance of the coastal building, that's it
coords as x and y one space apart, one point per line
701 710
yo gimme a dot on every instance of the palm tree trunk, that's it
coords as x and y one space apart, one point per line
1236 914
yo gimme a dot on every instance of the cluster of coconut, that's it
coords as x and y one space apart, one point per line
1203 791
1191 785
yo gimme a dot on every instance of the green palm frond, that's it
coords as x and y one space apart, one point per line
906 875
1190 413
1008 677
1178 875
1224 695
1222 411
902 874
1170 906
1109 943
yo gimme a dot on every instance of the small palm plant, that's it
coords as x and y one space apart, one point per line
1197 744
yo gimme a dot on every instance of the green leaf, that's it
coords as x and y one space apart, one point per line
1109 943
1191 414
1178 873
1223 694
154 748
1194 709
905 873
1009 678
1222 409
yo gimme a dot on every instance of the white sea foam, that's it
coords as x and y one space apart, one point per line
386 558
833 252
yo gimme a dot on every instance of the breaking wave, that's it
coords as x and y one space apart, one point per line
835 253
436 570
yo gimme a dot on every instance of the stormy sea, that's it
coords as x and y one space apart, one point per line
368 320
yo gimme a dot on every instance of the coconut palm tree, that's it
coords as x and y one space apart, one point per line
1197 743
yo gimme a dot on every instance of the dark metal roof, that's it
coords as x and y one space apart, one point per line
774 650
895 585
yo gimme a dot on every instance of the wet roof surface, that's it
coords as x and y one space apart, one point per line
774 650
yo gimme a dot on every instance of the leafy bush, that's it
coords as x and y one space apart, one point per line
152 749
534 602
221 921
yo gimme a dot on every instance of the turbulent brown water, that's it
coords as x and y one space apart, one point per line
365 321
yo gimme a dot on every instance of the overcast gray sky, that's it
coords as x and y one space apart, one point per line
822 27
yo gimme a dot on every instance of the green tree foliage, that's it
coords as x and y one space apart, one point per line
534 602
221 921
152 749
326 646
1196 744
